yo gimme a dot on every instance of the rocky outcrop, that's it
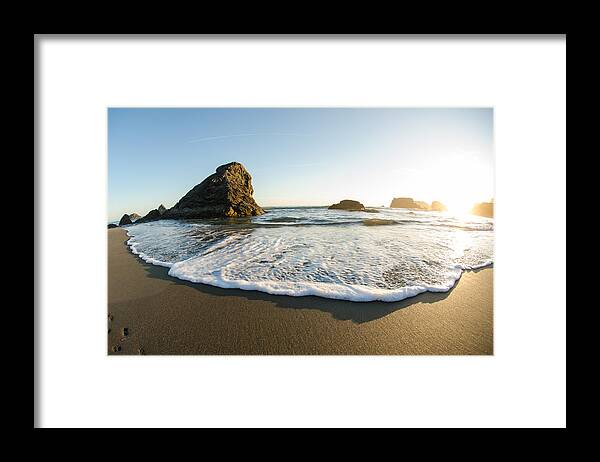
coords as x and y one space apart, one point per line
125 220
161 209
438 206
134 216
483 209
403 203
112 225
408 203
152 215
351 206
225 193
348 204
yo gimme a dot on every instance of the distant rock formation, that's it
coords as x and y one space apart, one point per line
225 193
438 206
125 220
112 225
408 203
483 209
348 204
351 206
152 215
128 219
161 209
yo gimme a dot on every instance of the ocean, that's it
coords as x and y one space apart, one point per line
357 256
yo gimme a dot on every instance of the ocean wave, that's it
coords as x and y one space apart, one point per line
283 219
378 222
353 293
133 246
341 260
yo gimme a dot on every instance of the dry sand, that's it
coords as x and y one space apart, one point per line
168 316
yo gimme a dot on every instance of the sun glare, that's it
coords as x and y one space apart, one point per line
460 205
459 180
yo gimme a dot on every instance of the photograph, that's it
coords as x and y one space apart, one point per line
300 230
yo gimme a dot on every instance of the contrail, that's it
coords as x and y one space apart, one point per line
222 137
210 138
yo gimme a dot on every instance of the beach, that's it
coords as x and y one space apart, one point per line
167 316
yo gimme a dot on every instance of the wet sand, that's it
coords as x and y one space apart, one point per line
167 316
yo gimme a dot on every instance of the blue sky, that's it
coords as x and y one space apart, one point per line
306 156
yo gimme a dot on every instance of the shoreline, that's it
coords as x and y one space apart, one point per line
356 295
166 315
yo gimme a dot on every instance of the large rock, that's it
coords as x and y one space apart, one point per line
438 206
134 216
161 209
347 204
112 225
125 220
226 193
484 209
152 215
408 203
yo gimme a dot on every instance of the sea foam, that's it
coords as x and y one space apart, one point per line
320 252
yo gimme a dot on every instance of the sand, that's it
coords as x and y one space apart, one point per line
167 316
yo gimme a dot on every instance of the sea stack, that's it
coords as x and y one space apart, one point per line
408 203
483 209
438 206
152 215
348 204
225 193
125 220
351 206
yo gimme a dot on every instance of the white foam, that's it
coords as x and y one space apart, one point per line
476 266
148 259
348 262
348 292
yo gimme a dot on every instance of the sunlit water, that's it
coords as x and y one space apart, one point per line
357 256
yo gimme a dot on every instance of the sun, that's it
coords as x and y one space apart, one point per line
458 180
459 204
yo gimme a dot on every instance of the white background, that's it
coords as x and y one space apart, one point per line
523 384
